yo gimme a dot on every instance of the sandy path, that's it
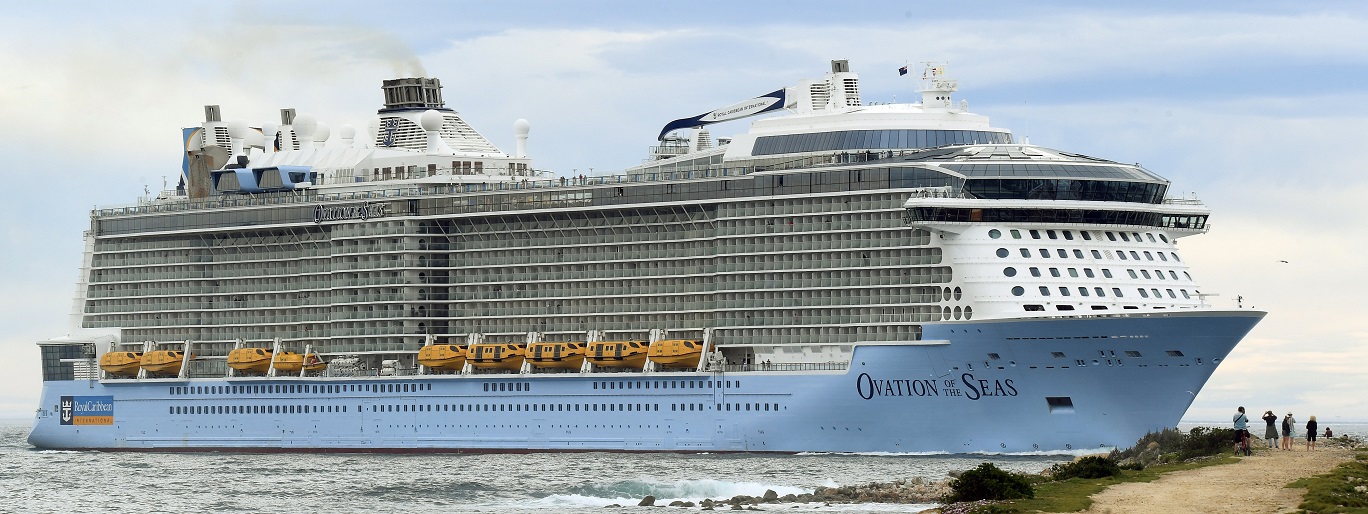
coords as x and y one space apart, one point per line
1253 485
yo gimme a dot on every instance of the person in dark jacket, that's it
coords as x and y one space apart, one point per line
1271 431
1311 433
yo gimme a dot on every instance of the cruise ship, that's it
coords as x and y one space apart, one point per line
845 276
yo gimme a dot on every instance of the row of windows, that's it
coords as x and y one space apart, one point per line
303 389
1100 292
1106 273
483 407
873 139
1086 235
1096 254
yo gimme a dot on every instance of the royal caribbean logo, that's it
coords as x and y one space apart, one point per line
87 410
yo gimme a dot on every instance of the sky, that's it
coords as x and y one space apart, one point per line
1257 108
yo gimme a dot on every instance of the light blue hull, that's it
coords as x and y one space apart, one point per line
1055 384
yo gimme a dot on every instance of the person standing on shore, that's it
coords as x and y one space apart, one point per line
1311 434
1287 431
1291 430
1271 431
1241 432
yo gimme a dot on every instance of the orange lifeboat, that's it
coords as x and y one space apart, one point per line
618 354
676 353
163 362
497 355
251 360
121 364
291 362
565 355
442 357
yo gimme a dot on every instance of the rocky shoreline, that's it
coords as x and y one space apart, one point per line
915 490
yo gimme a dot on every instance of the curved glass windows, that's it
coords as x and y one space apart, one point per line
874 140
1065 189
1078 216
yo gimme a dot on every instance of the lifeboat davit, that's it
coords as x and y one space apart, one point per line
251 360
442 357
676 353
291 362
121 364
618 354
565 355
163 362
497 355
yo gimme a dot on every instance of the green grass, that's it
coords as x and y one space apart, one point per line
1335 492
1074 494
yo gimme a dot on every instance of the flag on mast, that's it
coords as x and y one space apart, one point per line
902 71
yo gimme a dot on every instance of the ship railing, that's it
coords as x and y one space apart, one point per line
176 202
786 366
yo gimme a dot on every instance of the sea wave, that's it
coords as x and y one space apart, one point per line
684 490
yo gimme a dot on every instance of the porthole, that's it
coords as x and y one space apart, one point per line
995 233
958 313
1002 253
1018 291
946 294
1009 271
958 293
968 313
946 313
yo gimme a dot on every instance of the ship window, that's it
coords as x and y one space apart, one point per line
1134 255
1051 234
1132 274
1145 272
1062 254
1149 256
1035 234
1111 236
1068 234
1143 293
1185 294
1088 272
1173 275
1002 252
1016 234
1044 291
1117 291
1054 272
1082 291
1096 254
1073 272
1121 254
1035 272
958 293
995 233
1064 307
1162 257
1100 291
1170 293
1025 252
1034 307
1018 291
1045 253
1174 353
1063 291
1060 404
1124 237
1078 254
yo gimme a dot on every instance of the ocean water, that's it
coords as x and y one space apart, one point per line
34 480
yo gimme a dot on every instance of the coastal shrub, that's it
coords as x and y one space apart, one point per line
1205 442
987 482
1092 466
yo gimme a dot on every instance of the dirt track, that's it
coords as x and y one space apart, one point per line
1252 486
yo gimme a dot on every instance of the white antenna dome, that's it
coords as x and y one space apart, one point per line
237 129
304 125
431 120
521 127
347 132
322 133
